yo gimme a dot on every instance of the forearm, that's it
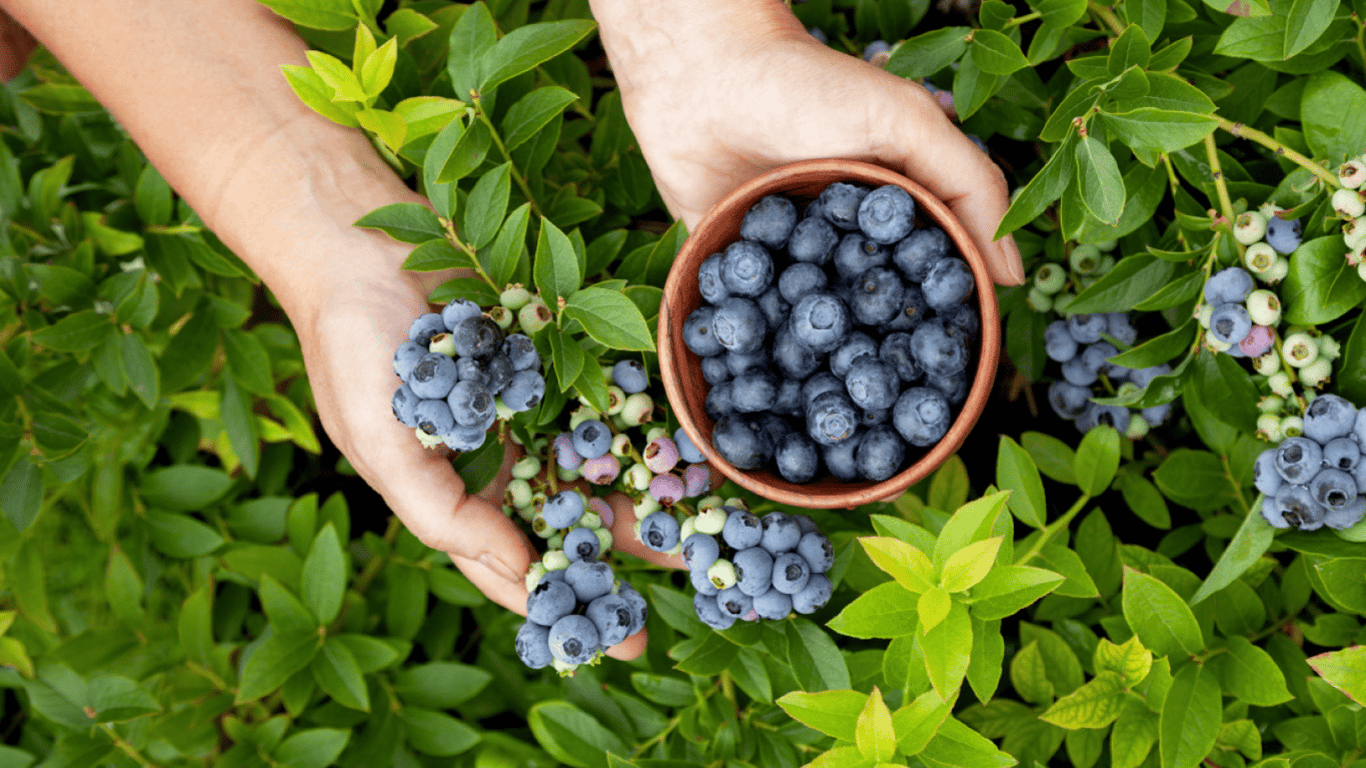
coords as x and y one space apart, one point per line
198 86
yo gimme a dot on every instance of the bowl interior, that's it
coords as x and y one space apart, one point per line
681 368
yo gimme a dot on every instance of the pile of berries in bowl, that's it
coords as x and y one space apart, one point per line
828 334
1319 477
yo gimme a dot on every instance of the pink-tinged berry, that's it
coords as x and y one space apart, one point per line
753 615
602 470
661 455
565 455
667 489
603 510
1257 342
696 480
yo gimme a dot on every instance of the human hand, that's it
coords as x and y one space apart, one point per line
725 94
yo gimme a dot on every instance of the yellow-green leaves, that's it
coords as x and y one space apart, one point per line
1131 661
933 606
874 733
969 565
1029 675
905 563
1094 705
887 610
1344 670
1011 588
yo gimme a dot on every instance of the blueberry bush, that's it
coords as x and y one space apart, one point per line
1149 554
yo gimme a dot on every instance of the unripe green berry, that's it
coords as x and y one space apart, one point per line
1215 345
589 520
518 493
1259 258
1086 281
1039 301
502 316
1107 245
1299 350
1352 174
1361 270
687 528
638 477
1267 364
514 297
442 343
568 475
644 508
1292 426
1271 404
1317 373
655 432
604 539
500 408
540 527
556 541
1249 227
1348 203
621 445
1280 384
1354 233
582 414
1049 278
428 441
1062 301
1203 314
1138 427
1084 259
639 409
509 510
534 316
1107 263
555 560
618 422
1269 427
1329 348
526 468
526 513
710 502
710 520
1278 270
564 669
534 574
721 574
735 502
616 400
1264 307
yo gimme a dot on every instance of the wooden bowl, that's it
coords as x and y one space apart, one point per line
681 369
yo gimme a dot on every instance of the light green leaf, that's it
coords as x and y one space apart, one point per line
331 15
932 607
1345 670
1017 473
874 733
969 565
1250 674
1159 616
1131 661
1251 541
378 68
1094 705
1097 460
610 318
525 47
1029 675
1189 723
835 713
917 722
1009 589
948 649
905 563
887 610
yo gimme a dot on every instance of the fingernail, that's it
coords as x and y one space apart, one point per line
1011 254
502 569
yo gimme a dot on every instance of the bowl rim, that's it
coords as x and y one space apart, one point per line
674 355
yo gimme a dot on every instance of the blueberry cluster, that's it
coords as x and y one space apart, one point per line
1241 318
747 567
1349 203
1055 283
461 372
1080 344
835 338
1318 478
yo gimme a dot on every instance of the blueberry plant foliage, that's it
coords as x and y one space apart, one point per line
182 584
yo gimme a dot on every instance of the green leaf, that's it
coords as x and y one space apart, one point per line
1133 736
152 197
611 319
1306 23
195 626
533 112
875 734
932 607
714 655
666 690
1017 473
1131 661
923 55
285 612
21 494
1158 130
1009 589
181 536
815 660
1029 675
280 656
439 734
1097 460
1250 674
1251 541
324 576
336 672
115 699
557 269
1159 616
525 47
1069 564
378 68
972 522
1321 286
1333 116
1159 349
311 90
903 562
331 15
184 487
1345 670
312 748
1046 186
1094 705
1189 723
337 76
387 127
1053 457
371 654
487 205
969 565
1099 180
958 746
1132 280
1194 479
77 332
409 222
887 610
1131 49
995 53
441 684
948 649
471 39
1060 13
572 736
427 115
834 713
918 722
240 425
123 588
468 153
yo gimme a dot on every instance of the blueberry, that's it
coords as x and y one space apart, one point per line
1329 416
739 442
739 325
917 254
1264 475
524 392
1068 400
700 550
1341 452
831 419
870 419
812 241
775 426
521 352
877 297
738 363
922 416
948 284
754 391
1058 343
716 369
1230 323
794 359
880 454
719 403
954 388
1157 414
1087 329
1077 372
1114 416
813 596
1120 328
1229 285
592 439
800 279
472 405
404 404
839 203
872 384
1095 356
887 214
574 640
1087 420
963 317
939 349
814 210
913 310
406 357
581 544
856 254
896 351
659 531
563 509
733 602
876 49
1299 509
790 572
697 333
458 310
746 268
818 385
425 327
1282 235
821 321
611 616
797 458
433 376
753 571
589 580
702 583
788 401
1298 459
464 438
639 611
709 613
631 376
477 337
533 645
774 308
841 459
1334 489
1348 516
687 450
781 533
773 605
858 345
500 372
472 370
709 282
549 602
817 550
769 221
434 417
742 530
1144 376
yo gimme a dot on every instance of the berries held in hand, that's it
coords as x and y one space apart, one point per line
659 531
433 376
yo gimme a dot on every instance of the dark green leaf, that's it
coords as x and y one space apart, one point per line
337 674
1097 459
468 153
437 733
1321 286
556 265
324 576
610 318
181 535
1133 279
1016 472
1333 111
508 252
435 254
1043 189
1194 479
1158 130
487 204
1060 13
572 736
1130 49
1158 350
76 332
1099 180
532 112
923 55
21 494
995 53
272 662
184 487
408 222
815 660
526 47
1190 718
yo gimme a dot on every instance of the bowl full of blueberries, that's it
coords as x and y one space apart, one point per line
828 334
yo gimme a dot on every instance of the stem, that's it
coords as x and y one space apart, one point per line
1052 529
1175 184
1244 132
1018 20
1361 43
502 149
127 749
1106 15
1225 204
1243 506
